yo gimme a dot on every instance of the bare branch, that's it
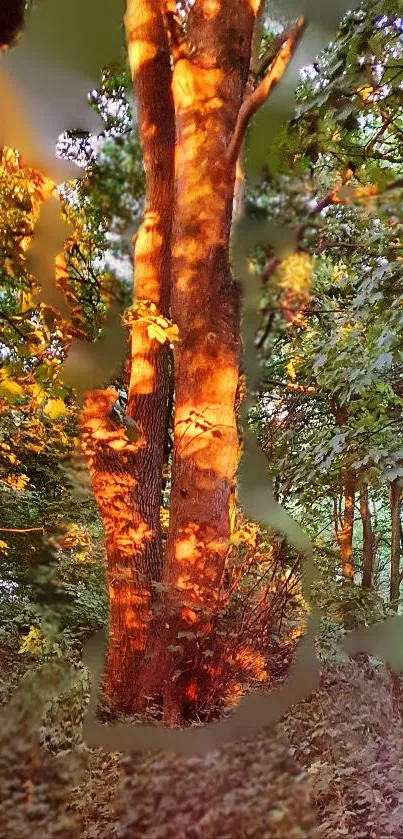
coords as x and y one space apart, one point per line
19 529
261 93
272 50
9 320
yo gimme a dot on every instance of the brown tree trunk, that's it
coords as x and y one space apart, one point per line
200 105
395 497
112 460
346 533
346 548
127 482
368 538
337 518
208 92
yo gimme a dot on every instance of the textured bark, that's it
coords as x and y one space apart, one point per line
112 465
208 92
189 118
368 538
150 64
129 501
395 497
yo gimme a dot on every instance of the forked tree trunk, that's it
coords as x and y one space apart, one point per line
368 538
127 483
196 107
395 497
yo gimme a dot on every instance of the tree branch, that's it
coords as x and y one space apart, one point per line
260 94
19 529
271 52
9 320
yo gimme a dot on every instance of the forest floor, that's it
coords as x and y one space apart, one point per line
332 768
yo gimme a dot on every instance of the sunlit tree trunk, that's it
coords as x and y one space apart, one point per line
368 538
193 112
346 534
345 538
208 90
395 497
127 482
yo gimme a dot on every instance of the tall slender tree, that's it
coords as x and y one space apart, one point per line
395 497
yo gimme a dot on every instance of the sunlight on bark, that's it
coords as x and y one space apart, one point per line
140 49
196 88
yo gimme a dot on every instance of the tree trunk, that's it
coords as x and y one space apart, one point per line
346 548
368 538
127 482
208 92
346 533
112 462
395 496
193 113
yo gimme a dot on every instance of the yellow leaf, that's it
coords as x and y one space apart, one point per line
172 333
162 331
25 301
10 157
295 273
38 393
17 482
35 447
32 642
157 332
55 408
291 368
365 92
9 388
162 321
9 267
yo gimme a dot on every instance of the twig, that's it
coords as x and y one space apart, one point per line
266 332
12 324
19 529
271 52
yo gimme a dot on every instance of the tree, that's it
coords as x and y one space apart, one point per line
395 494
331 395
190 68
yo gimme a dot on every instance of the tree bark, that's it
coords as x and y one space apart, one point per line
112 464
129 500
346 533
190 92
208 92
346 548
395 497
368 538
